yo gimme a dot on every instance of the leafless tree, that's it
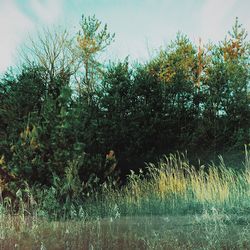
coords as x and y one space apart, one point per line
53 50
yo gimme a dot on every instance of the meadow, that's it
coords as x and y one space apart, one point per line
172 205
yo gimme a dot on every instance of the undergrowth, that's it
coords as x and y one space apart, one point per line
170 205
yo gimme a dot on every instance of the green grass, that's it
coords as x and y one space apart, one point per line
171 206
209 230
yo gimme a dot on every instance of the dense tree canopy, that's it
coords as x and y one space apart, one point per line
185 98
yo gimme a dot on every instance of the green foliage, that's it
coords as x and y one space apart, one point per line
57 126
21 95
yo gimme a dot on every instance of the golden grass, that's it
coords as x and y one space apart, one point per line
175 178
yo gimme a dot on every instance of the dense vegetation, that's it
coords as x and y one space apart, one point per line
173 206
71 123
75 133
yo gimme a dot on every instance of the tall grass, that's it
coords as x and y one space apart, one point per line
174 186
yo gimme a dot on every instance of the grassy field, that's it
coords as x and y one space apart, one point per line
210 230
170 206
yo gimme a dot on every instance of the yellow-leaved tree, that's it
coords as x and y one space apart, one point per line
92 40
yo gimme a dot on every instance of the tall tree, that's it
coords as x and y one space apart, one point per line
236 55
92 40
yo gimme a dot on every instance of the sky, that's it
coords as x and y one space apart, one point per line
141 26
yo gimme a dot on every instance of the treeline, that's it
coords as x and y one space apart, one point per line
64 110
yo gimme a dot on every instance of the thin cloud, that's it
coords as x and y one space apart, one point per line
13 27
214 16
47 11
16 24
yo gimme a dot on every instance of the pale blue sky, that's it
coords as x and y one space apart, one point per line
140 25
